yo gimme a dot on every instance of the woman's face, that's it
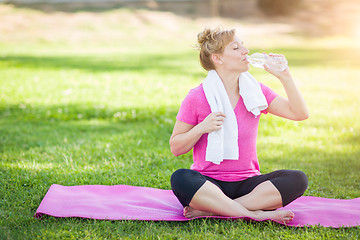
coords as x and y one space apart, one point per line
234 57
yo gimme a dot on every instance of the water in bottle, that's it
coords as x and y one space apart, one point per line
274 62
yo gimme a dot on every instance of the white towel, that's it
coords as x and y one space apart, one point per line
223 143
251 93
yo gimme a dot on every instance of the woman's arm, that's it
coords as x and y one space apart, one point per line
294 107
185 136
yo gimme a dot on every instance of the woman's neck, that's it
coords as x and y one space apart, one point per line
230 81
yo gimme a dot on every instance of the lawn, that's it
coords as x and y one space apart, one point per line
85 103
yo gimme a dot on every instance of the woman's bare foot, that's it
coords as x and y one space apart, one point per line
278 216
190 212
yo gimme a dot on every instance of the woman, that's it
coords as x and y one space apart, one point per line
233 188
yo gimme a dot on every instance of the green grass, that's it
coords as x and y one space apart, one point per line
103 114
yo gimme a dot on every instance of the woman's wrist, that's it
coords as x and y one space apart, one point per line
285 77
198 129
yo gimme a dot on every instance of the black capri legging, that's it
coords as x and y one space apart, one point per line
290 183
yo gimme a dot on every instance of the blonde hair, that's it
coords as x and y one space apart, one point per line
213 41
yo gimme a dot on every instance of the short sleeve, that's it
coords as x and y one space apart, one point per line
270 95
187 112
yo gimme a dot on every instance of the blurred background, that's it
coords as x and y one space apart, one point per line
115 60
75 21
92 63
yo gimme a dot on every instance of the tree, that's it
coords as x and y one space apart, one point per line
279 7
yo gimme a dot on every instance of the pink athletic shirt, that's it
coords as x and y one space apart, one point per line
195 108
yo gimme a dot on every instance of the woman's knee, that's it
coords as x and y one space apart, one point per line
291 184
178 177
185 183
300 180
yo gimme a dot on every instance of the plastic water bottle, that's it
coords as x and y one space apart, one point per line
274 62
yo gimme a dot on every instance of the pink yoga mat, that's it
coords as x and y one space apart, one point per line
123 202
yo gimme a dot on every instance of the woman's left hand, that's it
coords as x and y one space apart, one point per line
294 106
279 74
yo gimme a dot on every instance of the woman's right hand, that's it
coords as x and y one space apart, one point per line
212 122
185 136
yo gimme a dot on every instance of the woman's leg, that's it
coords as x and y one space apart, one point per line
201 197
278 189
210 199
265 197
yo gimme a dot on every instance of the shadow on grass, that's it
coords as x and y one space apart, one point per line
193 9
174 63
37 153
44 126
92 6
83 112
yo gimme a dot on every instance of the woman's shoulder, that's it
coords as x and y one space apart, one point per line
197 90
196 100
196 94
194 107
